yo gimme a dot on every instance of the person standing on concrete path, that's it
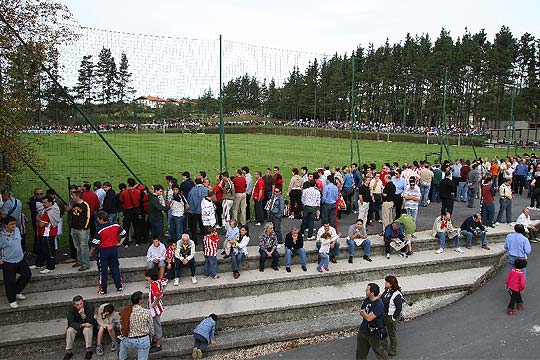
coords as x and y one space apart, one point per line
426 177
156 208
463 184
401 185
275 209
515 282
258 198
357 236
268 243
442 229
488 205
447 192
505 201
372 313
156 289
81 321
268 187
13 262
48 222
517 246
436 182
294 191
473 179
388 195
365 202
35 205
195 197
249 191
203 335
412 196
227 188
471 227
328 201
393 304
311 201
376 186
211 242
137 327
208 212
294 244
239 202
520 173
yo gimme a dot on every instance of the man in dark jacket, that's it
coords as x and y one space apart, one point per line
472 226
447 191
294 244
80 318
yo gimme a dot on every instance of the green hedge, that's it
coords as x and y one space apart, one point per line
332 133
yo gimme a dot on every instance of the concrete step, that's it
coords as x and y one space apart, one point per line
260 319
49 305
132 268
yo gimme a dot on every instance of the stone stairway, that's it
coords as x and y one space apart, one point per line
258 307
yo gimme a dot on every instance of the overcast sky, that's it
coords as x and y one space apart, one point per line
322 27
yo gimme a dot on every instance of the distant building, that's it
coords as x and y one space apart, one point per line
150 101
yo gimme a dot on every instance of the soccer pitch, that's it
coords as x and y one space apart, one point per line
152 156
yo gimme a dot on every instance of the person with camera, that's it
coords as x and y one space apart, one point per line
471 227
371 333
393 303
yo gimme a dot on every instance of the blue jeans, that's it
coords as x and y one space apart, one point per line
200 342
324 260
333 252
141 344
112 218
442 240
469 236
366 245
472 195
327 214
289 254
424 190
462 191
505 207
176 227
259 213
412 212
488 214
236 260
156 229
210 266
435 193
308 220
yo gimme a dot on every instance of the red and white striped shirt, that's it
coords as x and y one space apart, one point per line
48 229
210 245
155 304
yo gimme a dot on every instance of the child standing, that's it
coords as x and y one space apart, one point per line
211 241
326 239
515 282
231 237
155 305
203 335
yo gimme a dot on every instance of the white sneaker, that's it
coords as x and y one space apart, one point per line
439 251
495 223
194 280
20 297
413 235
46 271
217 226
34 267
388 256
459 250
176 281
14 305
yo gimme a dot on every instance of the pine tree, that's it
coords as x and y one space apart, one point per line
124 89
106 76
85 83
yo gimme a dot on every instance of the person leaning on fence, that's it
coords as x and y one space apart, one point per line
442 229
203 335
13 262
80 321
136 326
471 227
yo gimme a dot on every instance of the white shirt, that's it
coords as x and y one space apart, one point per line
156 252
525 221
331 230
100 193
249 184
207 212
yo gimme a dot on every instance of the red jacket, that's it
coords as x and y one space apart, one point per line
239 184
219 192
515 280
93 201
259 186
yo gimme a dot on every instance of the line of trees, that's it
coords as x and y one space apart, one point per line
404 83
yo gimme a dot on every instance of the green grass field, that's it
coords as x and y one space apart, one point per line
152 156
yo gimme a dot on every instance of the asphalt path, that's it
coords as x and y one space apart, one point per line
475 327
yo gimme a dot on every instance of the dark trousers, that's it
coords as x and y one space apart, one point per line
267 197
398 204
13 284
248 207
535 197
46 252
328 212
72 248
138 226
156 229
505 209
520 183
392 341
377 206
365 342
179 266
296 202
276 221
308 220
200 342
488 214
107 258
259 213
447 205
219 212
36 237
264 255
92 226
194 220
515 298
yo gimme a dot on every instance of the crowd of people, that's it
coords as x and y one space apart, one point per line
197 209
